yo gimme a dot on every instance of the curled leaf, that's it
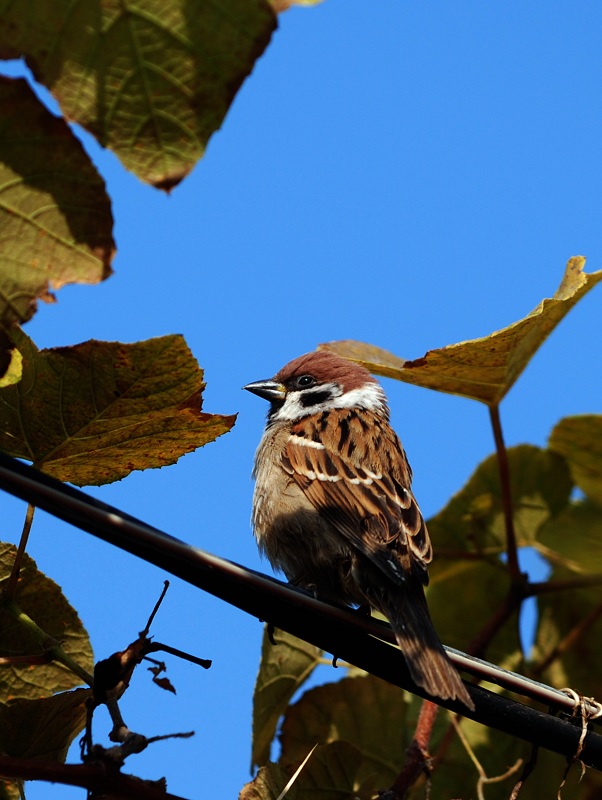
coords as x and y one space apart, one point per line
481 369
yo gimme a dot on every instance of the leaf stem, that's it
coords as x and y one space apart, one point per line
48 643
504 470
11 586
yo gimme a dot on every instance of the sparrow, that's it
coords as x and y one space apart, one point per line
333 507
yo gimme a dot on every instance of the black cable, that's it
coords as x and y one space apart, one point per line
347 635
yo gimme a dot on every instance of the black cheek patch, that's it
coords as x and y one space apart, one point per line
309 399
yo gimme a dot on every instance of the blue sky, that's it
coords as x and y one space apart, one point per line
407 174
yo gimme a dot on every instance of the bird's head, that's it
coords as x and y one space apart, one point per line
318 382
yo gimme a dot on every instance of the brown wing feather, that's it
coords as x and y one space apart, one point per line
361 484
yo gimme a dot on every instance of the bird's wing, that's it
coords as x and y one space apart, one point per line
353 470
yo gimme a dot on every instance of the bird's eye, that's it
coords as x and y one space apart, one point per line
303 381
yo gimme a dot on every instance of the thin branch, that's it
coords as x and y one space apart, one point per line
528 768
155 647
418 760
11 586
155 609
504 470
543 587
99 777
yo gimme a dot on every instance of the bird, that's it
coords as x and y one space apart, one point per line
333 507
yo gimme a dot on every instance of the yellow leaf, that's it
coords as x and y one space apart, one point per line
481 369
12 366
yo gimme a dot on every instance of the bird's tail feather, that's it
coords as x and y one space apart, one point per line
425 656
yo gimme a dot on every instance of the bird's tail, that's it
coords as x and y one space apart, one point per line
425 656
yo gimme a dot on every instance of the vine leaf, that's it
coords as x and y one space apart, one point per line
55 215
42 600
151 80
579 440
329 774
11 361
481 369
573 621
284 667
92 413
468 537
472 522
43 728
366 712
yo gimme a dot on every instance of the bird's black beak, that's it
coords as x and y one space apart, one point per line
270 390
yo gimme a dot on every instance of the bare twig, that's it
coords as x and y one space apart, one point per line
155 647
155 609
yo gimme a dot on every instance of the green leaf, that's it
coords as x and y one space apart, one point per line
329 774
92 413
44 602
572 539
481 369
43 728
365 712
579 440
473 520
469 536
55 215
151 79
478 588
570 621
284 667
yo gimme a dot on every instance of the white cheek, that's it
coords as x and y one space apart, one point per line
370 396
